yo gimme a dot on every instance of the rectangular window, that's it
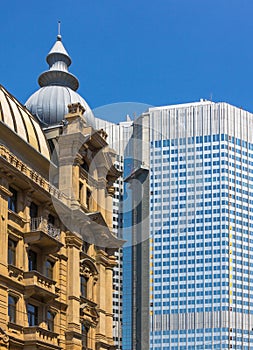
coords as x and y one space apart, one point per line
34 216
81 192
12 308
50 320
32 313
33 210
11 252
84 282
88 198
85 331
12 201
50 269
32 260
51 219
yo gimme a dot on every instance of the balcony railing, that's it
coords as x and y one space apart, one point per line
42 224
37 335
39 285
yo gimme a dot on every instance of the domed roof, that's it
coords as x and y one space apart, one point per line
20 120
50 103
58 89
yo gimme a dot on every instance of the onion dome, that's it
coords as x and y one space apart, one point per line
58 89
17 118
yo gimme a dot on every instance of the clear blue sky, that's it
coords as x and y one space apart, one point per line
154 52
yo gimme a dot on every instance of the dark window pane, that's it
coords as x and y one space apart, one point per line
12 201
50 321
49 269
32 313
11 252
12 305
85 166
33 210
32 260
51 219
84 281
85 331
88 197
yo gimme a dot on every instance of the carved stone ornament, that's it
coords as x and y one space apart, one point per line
4 338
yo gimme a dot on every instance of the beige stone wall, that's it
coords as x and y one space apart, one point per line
63 261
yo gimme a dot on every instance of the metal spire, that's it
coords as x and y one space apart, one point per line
59 31
59 61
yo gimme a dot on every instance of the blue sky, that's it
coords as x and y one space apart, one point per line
150 52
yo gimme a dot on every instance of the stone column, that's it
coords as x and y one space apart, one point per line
109 201
108 296
73 247
101 200
4 195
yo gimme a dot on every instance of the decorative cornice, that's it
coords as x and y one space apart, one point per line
7 157
73 241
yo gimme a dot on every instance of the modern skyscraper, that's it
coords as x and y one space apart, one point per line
118 136
198 229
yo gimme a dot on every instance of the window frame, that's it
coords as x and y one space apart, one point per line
85 335
49 269
32 260
32 316
50 320
84 286
12 308
12 252
13 200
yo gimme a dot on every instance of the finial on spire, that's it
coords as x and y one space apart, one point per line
59 31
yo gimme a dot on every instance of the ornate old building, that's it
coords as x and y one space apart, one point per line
57 247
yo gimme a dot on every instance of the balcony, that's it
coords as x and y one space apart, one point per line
39 286
43 235
36 335
15 221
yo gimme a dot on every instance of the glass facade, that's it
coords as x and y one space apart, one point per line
201 244
127 263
